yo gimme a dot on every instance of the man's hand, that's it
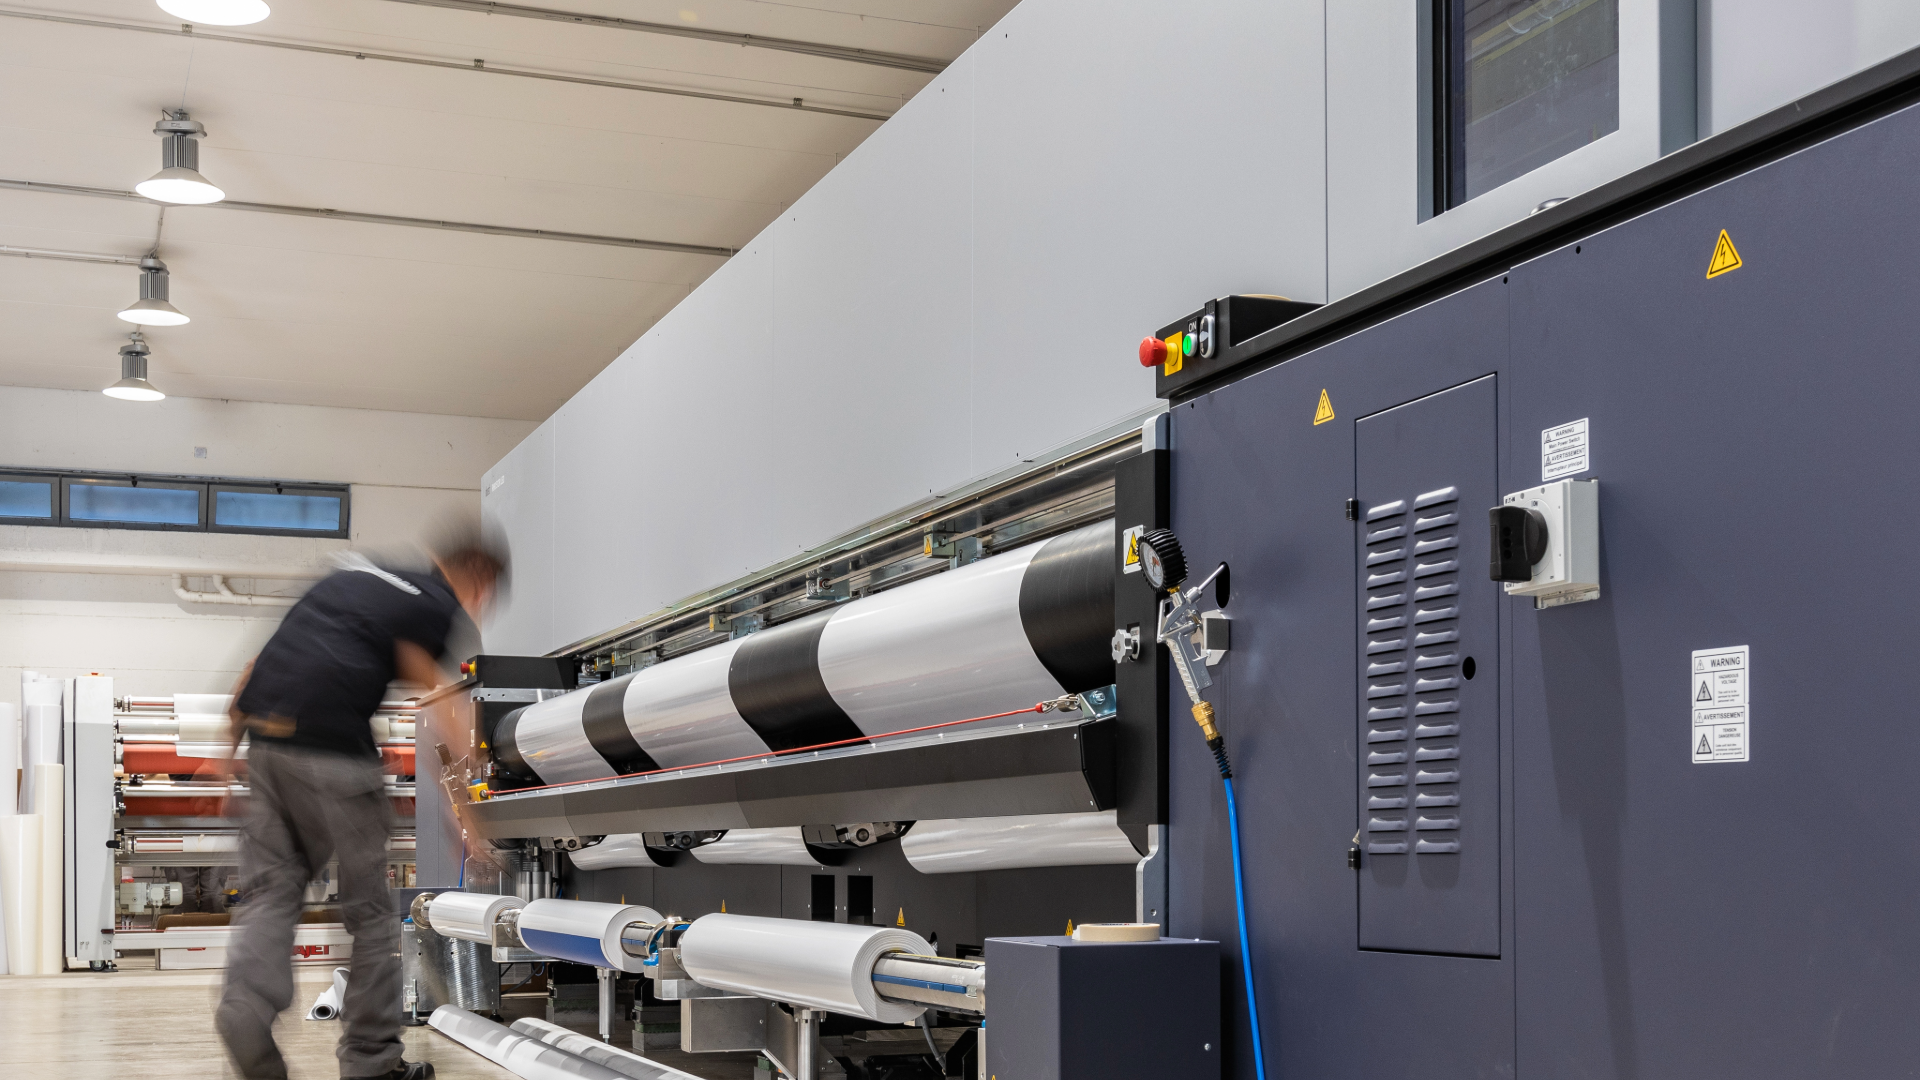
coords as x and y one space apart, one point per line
415 665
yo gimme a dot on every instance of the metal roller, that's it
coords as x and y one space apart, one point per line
951 985
994 636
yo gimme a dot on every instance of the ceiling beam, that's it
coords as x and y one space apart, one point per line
478 65
925 64
377 219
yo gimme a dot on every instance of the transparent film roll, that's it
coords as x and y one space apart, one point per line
758 847
962 845
582 931
521 1055
618 849
467 915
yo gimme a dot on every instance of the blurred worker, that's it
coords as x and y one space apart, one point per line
318 793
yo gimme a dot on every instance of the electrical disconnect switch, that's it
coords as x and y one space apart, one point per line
1545 542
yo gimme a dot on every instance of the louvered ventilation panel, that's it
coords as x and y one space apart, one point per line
1411 691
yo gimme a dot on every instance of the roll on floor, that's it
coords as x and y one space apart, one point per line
819 964
621 1061
521 1055
994 636
20 868
959 845
49 805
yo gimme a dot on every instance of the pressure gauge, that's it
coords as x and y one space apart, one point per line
1161 561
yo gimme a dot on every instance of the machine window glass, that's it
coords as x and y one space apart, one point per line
133 503
22 497
279 509
1519 83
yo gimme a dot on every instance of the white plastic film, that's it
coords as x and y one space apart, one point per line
618 849
521 1055
681 712
20 867
185 705
758 847
39 731
327 1005
625 1062
467 915
49 805
583 931
947 648
819 964
959 845
553 742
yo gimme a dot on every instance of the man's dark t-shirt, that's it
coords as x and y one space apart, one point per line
328 665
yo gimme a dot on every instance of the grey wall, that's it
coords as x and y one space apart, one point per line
965 291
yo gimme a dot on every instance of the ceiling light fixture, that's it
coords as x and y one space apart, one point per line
152 309
133 384
179 179
217 12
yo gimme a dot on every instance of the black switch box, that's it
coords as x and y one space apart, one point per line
1060 1009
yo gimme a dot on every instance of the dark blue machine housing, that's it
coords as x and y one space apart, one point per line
1571 895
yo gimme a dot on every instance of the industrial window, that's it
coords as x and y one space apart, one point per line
181 503
1517 84
27 499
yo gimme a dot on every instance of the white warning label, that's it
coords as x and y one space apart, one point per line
1717 697
1563 450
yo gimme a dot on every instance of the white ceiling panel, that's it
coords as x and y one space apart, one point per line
307 310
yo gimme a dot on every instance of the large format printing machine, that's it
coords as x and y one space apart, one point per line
1494 590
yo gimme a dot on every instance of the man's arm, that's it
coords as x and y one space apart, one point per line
415 665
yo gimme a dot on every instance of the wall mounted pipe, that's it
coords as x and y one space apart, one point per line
961 845
521 1055
996 635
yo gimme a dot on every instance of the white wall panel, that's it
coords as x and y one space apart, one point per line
1760 54
1131 162
518 494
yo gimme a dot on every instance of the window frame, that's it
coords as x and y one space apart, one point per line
273 487
52 480
63 481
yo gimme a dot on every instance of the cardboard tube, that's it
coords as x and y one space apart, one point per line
20 891
49 805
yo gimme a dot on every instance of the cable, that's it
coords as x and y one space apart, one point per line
1240 905
463 863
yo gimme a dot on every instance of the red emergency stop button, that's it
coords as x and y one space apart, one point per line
1153 352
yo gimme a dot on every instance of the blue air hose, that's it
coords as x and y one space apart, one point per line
1240 905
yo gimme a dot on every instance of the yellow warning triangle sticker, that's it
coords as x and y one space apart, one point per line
1325 411
1725 258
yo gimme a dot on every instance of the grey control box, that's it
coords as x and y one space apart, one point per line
1081 1010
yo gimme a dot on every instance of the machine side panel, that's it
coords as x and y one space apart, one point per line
1140 502
1429 708
1727 918
1258 484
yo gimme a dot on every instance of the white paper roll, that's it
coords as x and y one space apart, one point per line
466 915
582 931
49 804
521 1055
625 1062
20 891
958 845
618 849
9 759
758 847
821 964
202 704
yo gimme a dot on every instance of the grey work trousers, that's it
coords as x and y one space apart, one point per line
308 806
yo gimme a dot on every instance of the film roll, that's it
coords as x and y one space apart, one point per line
820 964
20 867
582 931
467 915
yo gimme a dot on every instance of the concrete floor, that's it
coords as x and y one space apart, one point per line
141 1022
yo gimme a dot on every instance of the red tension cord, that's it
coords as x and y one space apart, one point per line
782 753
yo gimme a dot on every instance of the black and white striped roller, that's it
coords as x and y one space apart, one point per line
999 634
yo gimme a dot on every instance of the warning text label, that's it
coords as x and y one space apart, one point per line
1563 450
1717 698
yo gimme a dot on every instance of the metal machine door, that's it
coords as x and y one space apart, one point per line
1429 702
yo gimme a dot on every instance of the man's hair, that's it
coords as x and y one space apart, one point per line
465 544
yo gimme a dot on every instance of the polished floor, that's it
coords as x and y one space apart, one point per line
142 1022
